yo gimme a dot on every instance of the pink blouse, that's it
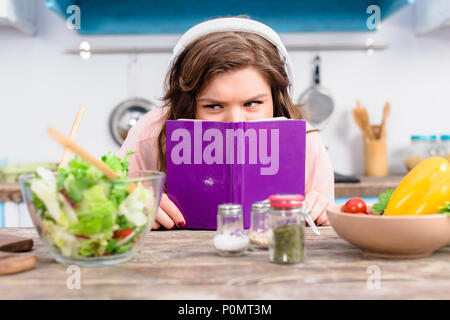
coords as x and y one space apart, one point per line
143 140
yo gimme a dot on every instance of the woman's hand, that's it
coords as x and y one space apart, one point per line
168 215
318 205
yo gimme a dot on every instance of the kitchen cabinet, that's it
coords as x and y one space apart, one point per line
20 14
183 264
13 212
176 16
15 215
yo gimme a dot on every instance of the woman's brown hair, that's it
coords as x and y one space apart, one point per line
213 54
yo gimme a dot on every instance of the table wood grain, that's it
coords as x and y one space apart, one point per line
182 264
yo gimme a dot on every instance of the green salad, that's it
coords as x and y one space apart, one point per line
85 214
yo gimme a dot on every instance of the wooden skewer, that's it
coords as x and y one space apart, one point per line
73 132
386 111
365 119
72 146
357 119
362 120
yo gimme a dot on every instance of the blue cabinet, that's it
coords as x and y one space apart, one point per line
176 16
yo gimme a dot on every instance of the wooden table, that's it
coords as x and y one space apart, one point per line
182 264
368 187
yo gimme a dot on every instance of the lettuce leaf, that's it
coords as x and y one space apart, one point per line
118 191
95 246
383 199
116 164
39 206
133 207
67 209
44 187
124 223
445 209
96 212
62 239
75 187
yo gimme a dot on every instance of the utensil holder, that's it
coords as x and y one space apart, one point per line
375 157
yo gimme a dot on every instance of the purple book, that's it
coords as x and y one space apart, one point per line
209 163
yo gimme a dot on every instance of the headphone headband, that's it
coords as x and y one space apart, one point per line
236 24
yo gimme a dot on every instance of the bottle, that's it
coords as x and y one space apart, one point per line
421 147
258 234
286 228
230 238
445 146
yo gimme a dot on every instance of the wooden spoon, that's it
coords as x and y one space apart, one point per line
71 145
362 120
357 119
73 132
365 119
359 122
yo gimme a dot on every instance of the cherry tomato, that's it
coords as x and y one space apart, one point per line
120 234
355 205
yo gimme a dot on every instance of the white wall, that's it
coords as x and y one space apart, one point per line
41 86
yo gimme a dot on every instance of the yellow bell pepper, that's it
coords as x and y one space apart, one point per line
423 190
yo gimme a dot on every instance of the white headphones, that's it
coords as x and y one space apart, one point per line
236 24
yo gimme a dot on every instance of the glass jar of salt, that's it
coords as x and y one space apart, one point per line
287 217
230 238
258 235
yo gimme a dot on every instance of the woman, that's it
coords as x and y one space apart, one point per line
228 69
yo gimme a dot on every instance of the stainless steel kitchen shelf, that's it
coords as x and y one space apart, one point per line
306 47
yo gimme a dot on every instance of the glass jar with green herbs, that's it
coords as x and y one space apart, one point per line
286 228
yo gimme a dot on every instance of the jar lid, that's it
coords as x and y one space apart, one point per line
229 209
286 201
445 137
261 206
423 138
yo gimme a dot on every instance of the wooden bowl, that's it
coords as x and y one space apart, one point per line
395 237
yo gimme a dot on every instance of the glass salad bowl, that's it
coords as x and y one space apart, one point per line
89 220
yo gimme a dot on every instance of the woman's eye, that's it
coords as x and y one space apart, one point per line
253 103
212 106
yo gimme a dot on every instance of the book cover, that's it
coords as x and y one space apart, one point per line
210 163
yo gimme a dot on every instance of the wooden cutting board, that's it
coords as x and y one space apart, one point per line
12 243
13 254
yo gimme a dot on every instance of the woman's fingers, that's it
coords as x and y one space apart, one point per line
323 219
155 225
172 211
163 219
311 199
318 206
